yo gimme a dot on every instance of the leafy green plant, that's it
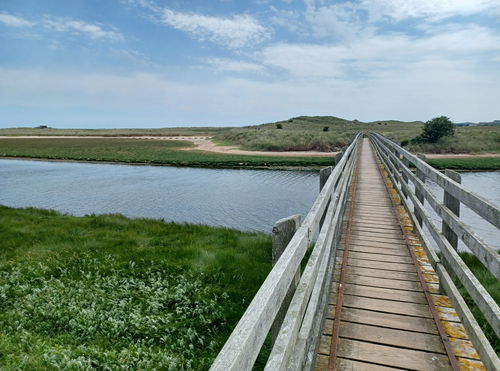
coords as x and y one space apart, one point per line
436 129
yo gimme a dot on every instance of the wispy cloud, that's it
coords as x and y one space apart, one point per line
94 31
399 10
231 65
10 20
233 32
368 56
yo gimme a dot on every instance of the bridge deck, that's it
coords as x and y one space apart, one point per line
386 320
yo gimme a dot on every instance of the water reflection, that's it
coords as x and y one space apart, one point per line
249 200
486 184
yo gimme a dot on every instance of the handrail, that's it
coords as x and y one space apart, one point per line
390 155
243 345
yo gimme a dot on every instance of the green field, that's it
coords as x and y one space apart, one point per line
491 285
108 292
300 133
476 164
143 151
307 133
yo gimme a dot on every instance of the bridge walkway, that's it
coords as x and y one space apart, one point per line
387 297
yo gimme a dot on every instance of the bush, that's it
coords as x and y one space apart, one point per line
404 142
326 128
437 128
279 126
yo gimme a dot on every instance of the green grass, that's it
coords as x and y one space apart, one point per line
474 139
112 132
109 292
491 285
143 151
306 133
479 163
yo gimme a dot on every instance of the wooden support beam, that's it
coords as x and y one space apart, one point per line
420 196
283 231
324 174
453 204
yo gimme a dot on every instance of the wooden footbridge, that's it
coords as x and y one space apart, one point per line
378 286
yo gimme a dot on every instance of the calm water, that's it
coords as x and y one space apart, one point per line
249 200
486 184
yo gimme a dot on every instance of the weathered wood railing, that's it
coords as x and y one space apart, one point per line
449 264
295 344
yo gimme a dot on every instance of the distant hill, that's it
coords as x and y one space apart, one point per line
483 123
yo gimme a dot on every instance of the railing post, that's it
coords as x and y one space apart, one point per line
283 231
420 196
453 204
338 157
324 174
406 163
396 165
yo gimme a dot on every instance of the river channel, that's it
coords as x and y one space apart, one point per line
250 200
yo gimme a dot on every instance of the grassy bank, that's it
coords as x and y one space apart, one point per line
109 292
479 163
113 132
491 285
328 133
322 133
307 133
143 151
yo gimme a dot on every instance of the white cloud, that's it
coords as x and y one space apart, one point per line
231 65
10 20
288 19
370 55
434 9
94 31
339 21
234 32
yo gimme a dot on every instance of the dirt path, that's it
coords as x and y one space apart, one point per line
202 143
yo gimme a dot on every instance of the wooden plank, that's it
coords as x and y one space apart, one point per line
389 320
387 306
344 364
392 356
380 257
393 275
379 250
378 227
398 267
376 215
394 337
375 232
371 242
386 237
374 224
384 283
385 293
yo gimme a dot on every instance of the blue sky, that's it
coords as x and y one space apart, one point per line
156 63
